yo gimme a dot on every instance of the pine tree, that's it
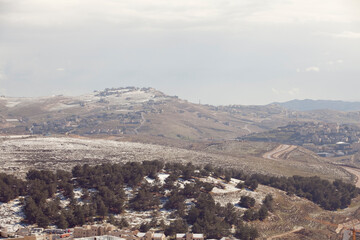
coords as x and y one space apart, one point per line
61 222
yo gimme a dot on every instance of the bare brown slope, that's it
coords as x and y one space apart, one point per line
287 161
134 111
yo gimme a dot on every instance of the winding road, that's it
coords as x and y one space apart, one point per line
356 172
278 151
283 149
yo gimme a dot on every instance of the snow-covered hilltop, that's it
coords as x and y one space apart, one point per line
112 96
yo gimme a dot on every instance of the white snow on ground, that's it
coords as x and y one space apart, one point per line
62 106
18 155
231 194
63 201
181 182
135 219
11 215
162 177
149 180
124 96
229 187
12 103
78 193
14 137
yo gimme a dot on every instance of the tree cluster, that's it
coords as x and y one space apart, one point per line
329 195
10 187
104 196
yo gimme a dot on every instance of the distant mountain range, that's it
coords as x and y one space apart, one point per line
309 105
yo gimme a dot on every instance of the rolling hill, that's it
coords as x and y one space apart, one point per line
309 105
147 112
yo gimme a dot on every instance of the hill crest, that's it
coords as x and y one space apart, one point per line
310 105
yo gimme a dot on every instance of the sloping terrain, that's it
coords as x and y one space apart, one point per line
18 154
309 104
147 112
279 159
290 216
120 111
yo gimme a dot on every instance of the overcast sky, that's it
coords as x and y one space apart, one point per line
217 51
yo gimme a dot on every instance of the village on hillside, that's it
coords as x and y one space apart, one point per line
326 139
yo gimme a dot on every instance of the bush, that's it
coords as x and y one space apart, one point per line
250 215
240 185
247 202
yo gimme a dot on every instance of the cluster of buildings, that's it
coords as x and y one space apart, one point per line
35 234
321 133
91 232
110 232
327 139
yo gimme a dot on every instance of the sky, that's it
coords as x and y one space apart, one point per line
218 52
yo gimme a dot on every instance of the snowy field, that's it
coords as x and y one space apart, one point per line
18 155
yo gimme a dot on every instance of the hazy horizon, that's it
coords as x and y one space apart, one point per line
97 90
219 52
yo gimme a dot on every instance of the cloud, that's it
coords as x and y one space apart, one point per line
3 76
294 91
339 61
60 69
164 13
306 11
312 69
347 34
274 90
2 80
291 92
2 91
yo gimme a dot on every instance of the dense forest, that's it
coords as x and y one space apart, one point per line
103 196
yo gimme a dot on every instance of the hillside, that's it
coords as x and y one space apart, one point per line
330 139
147 112
123 125
154 195
20 153
122 111
309 105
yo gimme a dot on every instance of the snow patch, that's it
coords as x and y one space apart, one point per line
11 214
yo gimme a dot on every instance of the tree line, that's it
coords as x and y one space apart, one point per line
103 195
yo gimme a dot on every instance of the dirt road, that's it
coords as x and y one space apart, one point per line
356 172
285 234
143 120
246 127
278 151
